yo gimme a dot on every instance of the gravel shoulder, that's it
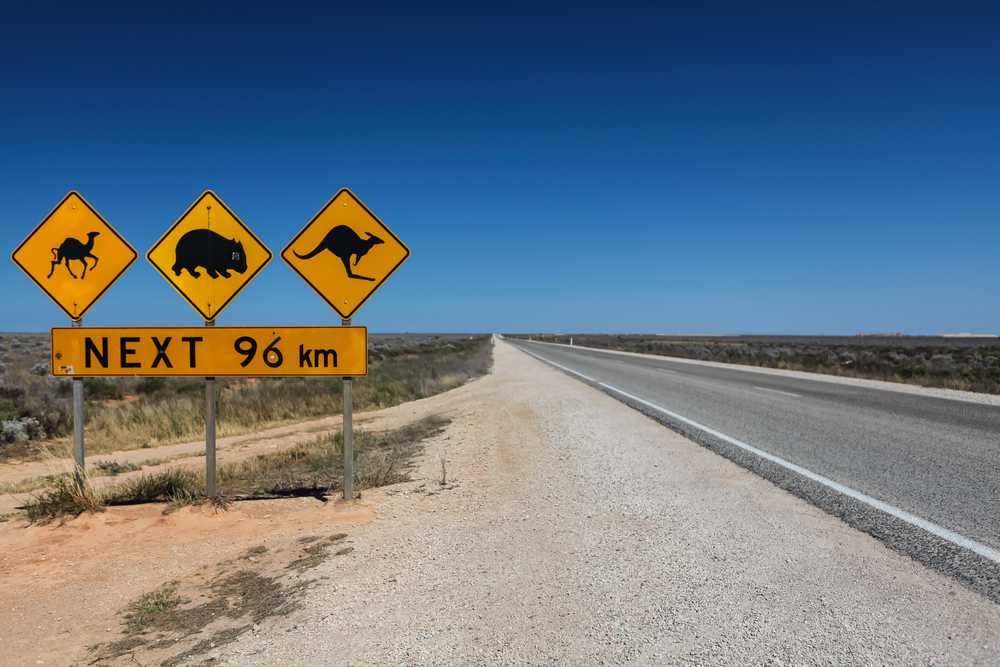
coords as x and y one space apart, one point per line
574 529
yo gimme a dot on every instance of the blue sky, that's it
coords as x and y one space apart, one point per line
743 168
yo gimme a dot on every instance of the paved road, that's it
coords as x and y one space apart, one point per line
936 458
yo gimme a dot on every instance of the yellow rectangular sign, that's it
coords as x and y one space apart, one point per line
209 351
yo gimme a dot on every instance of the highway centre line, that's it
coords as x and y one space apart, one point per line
978 548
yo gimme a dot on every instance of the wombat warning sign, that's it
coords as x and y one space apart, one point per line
345 253
209 255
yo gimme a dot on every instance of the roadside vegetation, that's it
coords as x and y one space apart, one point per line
312 468
133 413
970 364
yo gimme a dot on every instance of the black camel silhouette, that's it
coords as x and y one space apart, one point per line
344 242
74 249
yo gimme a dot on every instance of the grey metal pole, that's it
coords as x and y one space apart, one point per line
210 479
348 433
78 419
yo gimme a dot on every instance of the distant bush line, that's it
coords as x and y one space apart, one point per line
969 364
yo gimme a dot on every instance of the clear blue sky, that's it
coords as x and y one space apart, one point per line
746 168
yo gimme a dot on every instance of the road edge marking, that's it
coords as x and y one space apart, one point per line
978 548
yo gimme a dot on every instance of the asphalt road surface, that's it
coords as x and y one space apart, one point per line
920 472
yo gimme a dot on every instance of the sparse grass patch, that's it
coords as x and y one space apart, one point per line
164 619
69 495
112 467
29 484
176 485
316 551
381 458
150 609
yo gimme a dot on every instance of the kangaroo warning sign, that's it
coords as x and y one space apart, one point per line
209 255
74 255
210 351
345 253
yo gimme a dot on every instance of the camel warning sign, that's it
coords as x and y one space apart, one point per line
74 255
345 253
209 255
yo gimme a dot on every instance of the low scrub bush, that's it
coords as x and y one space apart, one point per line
68 495
169 485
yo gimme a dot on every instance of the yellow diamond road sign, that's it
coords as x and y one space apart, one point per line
345 253
74 255
209 255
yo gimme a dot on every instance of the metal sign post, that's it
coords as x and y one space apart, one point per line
78 418
210 489
345 253
348 410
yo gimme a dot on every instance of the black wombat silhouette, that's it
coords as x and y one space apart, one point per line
345 243
71 248
216 254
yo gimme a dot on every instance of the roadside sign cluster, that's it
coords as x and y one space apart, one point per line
209 255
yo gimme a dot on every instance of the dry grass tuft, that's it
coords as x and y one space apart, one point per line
68 495
314 467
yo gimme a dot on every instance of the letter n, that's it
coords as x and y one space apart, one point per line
90 348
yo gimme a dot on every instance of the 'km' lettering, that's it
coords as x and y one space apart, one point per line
312 358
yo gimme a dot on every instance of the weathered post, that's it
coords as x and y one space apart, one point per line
78 419
348 411
210 489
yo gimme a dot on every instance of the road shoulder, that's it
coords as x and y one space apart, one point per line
578 530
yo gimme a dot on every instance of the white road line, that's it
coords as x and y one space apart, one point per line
979 548
778 391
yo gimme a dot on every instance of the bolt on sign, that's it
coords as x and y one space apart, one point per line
209 255
345 253
74 255
209 351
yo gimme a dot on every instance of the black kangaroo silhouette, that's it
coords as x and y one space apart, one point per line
71 248
345 243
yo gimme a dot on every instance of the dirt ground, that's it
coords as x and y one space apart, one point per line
63 587
192 454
